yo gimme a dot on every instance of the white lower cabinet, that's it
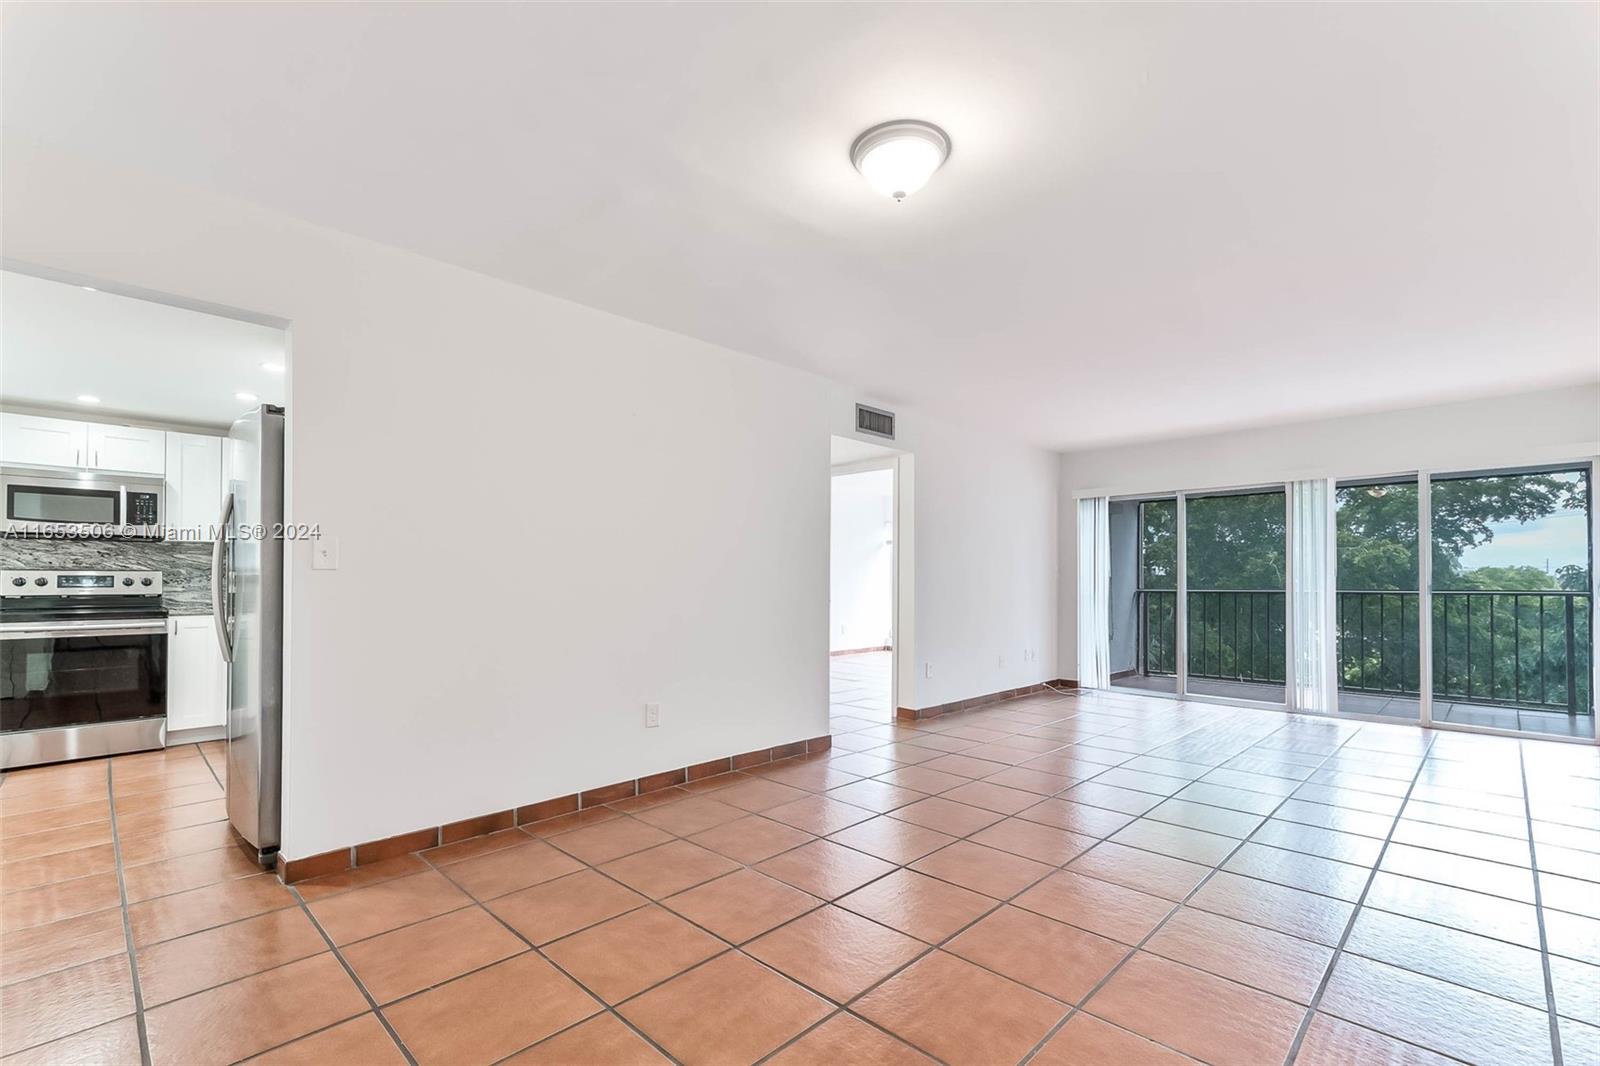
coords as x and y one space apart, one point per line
197 678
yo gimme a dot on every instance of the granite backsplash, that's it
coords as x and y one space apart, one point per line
185 565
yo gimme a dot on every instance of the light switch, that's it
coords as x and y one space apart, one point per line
325 553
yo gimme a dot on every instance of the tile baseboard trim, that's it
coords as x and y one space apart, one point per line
920 714
859 651
328 862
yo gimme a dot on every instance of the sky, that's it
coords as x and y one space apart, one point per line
1558 539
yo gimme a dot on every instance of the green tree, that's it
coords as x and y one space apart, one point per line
1237 541
1465 511
1377 534
1573 578
1158 524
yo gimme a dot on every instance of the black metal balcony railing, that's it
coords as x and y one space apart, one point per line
1505 648
1234 634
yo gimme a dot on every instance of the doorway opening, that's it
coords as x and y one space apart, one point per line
862 584
142 463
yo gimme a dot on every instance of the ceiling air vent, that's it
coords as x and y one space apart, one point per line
873 421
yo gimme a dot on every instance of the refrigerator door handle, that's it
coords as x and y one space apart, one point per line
219 612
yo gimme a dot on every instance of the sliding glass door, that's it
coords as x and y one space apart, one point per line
1459 599
1377 599
1235 557
1144 594
1512 605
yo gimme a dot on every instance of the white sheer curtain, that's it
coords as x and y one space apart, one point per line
1311 595
1094 592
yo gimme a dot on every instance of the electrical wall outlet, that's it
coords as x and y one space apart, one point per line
652 715
927 669
1001 663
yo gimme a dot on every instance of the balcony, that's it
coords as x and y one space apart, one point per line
1507 658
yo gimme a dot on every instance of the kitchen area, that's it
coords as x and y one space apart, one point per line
141 473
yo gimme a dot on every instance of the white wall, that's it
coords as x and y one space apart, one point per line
982 541
1528 428
861 569
463 663
656 528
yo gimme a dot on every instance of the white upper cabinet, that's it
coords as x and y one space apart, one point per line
128 449
194 482
35 441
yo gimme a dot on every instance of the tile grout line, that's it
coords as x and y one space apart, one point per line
1538 910
349 972
1078 1007
607 1008
127 924
824 903
1355 913
757 813
940 945
202 753
1315 892
1131 757
139 1009
760 814
1343 746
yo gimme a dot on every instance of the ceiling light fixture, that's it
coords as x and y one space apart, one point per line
272 368
88 399
897 158
88 288
246 397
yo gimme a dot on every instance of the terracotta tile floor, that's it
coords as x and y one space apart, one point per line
1100 878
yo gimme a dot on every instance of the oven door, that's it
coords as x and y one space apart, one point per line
81 689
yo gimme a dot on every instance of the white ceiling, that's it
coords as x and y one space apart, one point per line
1156 220
143 360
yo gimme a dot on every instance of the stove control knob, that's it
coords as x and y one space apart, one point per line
19 581
41 581
127 581
145 581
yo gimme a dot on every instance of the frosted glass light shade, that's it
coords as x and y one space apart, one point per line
897 158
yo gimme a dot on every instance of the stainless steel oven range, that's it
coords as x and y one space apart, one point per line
83 664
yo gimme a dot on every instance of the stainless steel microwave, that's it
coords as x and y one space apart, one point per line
87 505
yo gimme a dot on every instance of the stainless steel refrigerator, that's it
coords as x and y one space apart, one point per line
247 604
